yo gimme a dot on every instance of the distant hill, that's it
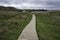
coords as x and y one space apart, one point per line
15 9
9 9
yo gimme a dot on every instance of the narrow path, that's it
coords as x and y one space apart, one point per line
29 33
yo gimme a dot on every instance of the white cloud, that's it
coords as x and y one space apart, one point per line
31 4
23 5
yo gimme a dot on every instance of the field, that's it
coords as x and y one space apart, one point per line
12 23
48 25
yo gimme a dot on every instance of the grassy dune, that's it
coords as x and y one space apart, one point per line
12 23
48 25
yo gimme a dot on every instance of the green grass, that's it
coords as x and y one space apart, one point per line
48 25
12 23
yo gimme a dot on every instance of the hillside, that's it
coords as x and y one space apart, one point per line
15 9
48 25
12 22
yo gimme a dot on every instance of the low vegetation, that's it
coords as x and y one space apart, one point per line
12 23
48 25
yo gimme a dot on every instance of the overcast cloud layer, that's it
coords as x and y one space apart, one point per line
32 4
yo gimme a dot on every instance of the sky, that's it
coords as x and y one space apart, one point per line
32 4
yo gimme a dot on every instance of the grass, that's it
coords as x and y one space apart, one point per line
12 23
48 25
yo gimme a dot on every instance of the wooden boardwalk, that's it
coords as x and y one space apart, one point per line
29 33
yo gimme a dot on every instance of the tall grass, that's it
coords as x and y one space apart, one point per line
48 25
12 23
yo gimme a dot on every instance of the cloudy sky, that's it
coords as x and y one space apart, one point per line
32 4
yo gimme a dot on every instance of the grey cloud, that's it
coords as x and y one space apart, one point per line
46 4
